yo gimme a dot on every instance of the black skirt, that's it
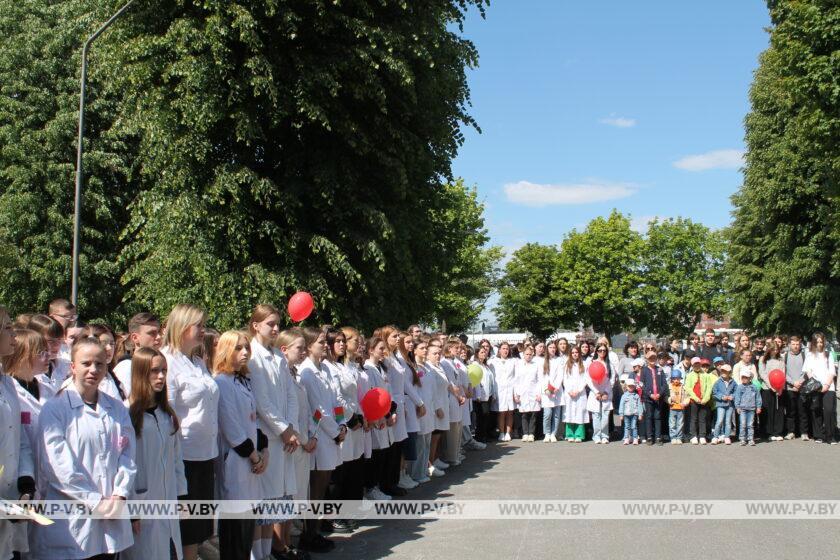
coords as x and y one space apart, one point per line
201 482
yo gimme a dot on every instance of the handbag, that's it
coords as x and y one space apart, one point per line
811 386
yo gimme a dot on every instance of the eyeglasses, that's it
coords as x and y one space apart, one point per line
601 350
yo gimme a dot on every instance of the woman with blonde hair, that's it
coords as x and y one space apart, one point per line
195 398
277 409
243 453
160 465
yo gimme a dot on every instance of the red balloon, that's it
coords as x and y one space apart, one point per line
597 371
376 403
300 306
777 379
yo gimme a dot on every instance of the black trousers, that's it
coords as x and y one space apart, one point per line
236 538
483 421
349 480
797 412
823 406
529 423
392 465
653 420
375 468
698 420
318 483
773 411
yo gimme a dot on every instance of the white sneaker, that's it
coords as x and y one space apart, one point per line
702 441
790 436
423 480
475 445
805 437
507 437
714 441
553 438
694 441
440 465
530 437
434 471
547 439
406 482
501 437
376 494
605 441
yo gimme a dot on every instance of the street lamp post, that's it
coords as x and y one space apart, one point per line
77 210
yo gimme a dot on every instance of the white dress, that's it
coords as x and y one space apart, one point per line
86 454
323 400
574 409
277 409
505 379
160 476
527 385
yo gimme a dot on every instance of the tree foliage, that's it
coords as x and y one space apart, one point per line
526 291
242 150
784 266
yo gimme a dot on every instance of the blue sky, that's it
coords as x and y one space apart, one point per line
589 106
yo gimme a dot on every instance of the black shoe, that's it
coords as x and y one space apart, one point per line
650 442
342 526
327 526
660 441
290 554
395 491
316 544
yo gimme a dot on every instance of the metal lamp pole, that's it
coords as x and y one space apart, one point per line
77 210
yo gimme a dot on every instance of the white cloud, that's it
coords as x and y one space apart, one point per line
535 194
620 122
641 223
716 159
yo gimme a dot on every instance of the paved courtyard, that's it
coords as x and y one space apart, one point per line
787 470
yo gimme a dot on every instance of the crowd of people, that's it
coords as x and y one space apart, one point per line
172 410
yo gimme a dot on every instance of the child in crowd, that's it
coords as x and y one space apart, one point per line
723 393
630 410
678 401
698 385
748 403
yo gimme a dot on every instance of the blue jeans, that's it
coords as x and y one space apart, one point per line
723 421
746 418
551 420
675 425
631 427
601 425
417 469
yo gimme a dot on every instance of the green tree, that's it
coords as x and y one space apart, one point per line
39 87
468 270
598 275
682 270
527 291
784 241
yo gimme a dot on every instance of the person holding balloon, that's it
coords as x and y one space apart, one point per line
771 370
599 402
376 374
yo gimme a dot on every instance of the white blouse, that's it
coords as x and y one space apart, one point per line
195 398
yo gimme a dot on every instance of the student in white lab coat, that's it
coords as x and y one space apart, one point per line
53 333
243 453
323 400
111 385
86 452
415 408
551 391
527 391
419 468
377 376
348 478
503 366
452 447
66 315
277 412
195 398
143 332
575 414
293 348
484 394
435 373
397 373
355 362
160 465
17 480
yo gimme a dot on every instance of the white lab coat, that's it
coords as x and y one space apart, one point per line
346 376
487 388
237 423
448 366
505 380
86 455
160 476
527 385
109 387
412 398
574 411
17 458
306 428
396 374
323 397
464 383
555 379
442 395
380 438
195 398
277 409
59 371
606 386
428 387
123 372
364 385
